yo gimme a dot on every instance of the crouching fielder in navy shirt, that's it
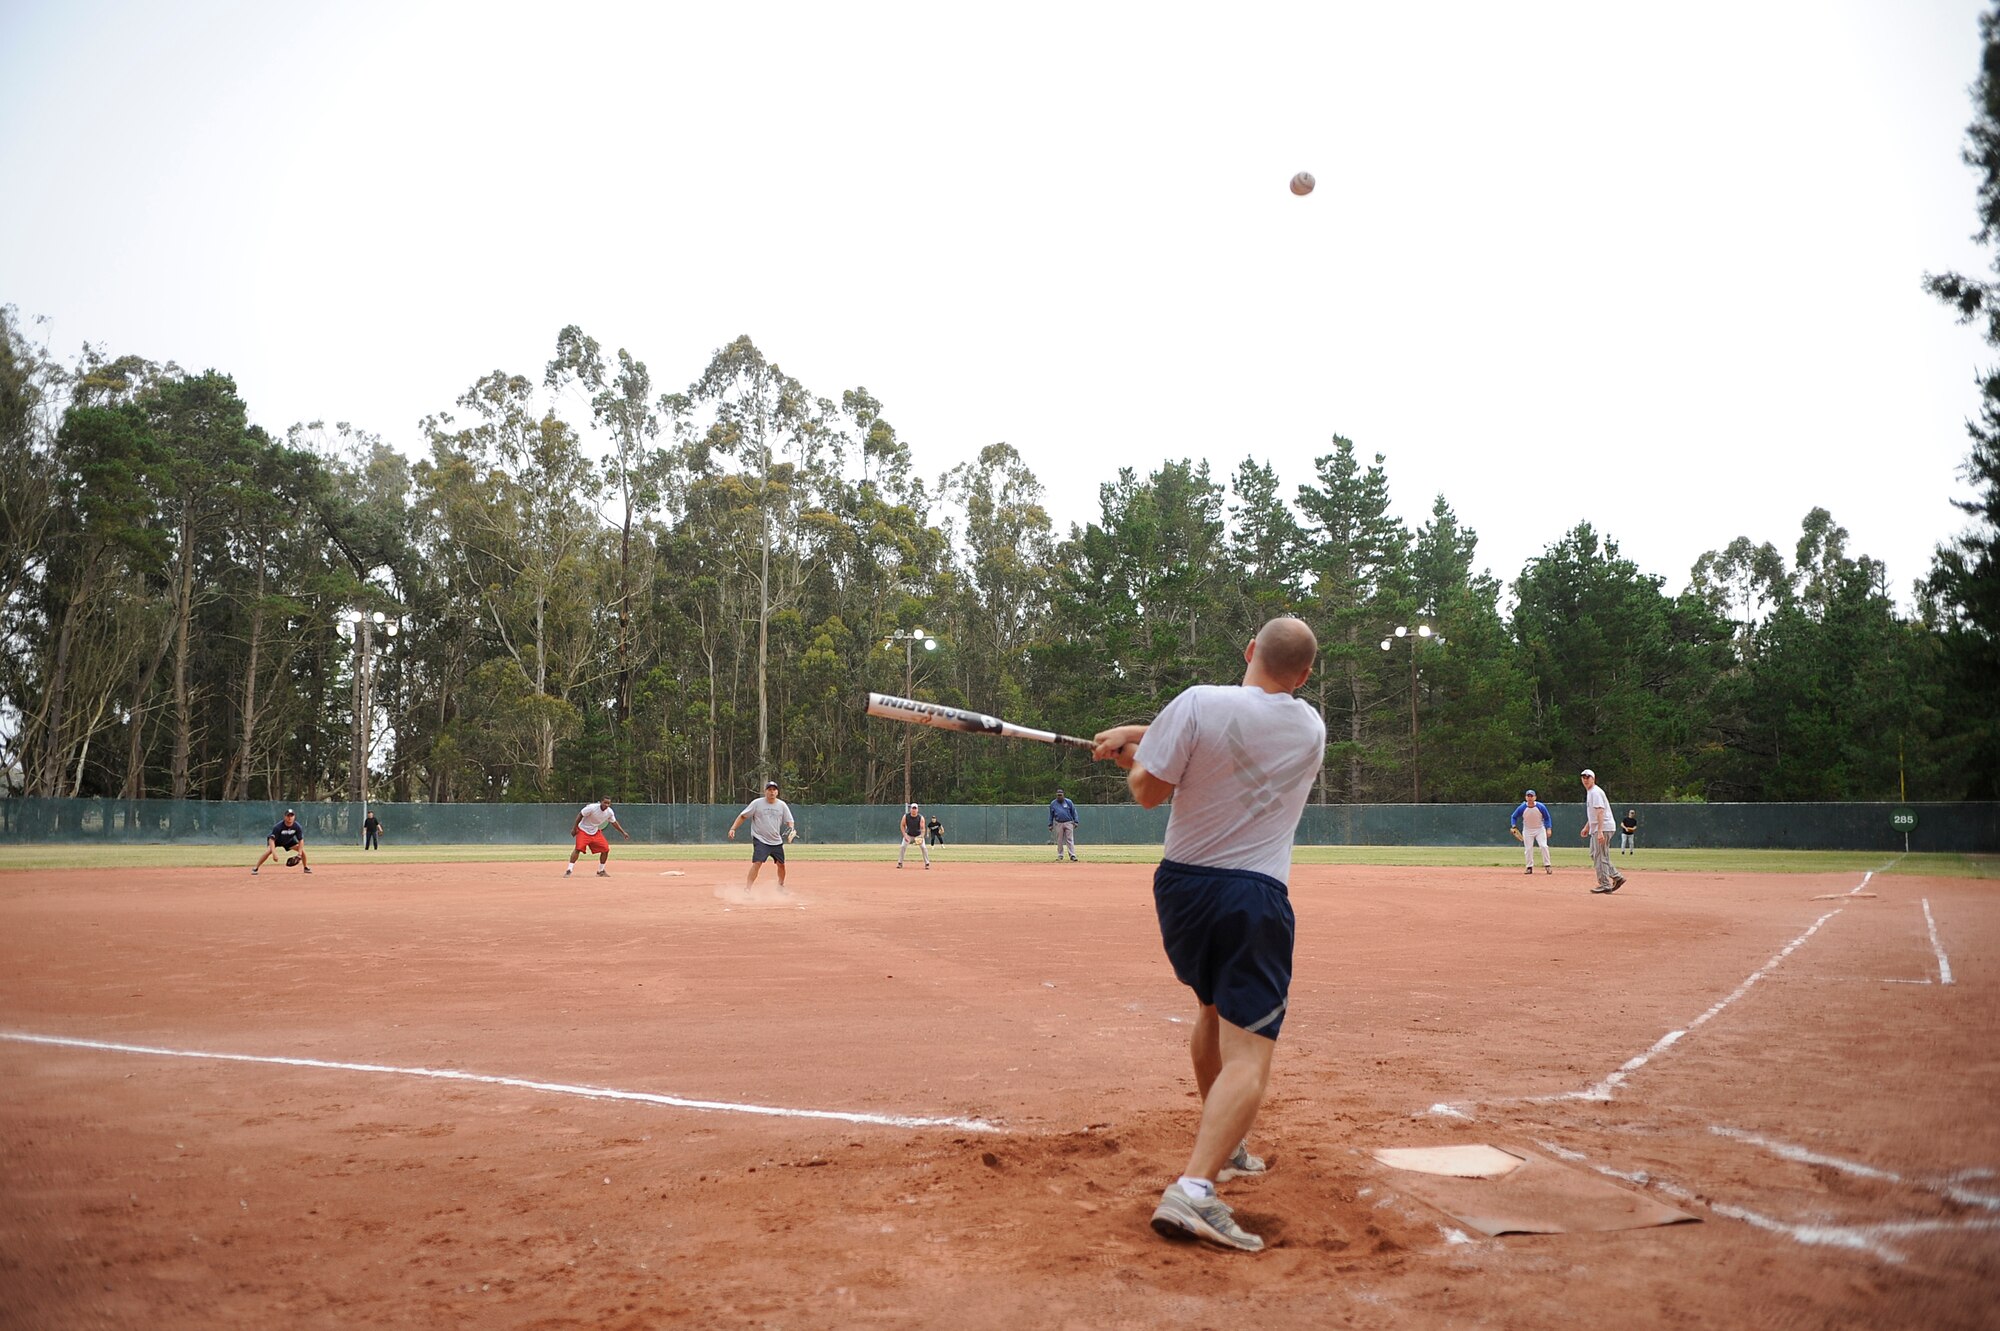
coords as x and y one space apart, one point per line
1238 762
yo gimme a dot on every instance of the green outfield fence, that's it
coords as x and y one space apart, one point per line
1963 827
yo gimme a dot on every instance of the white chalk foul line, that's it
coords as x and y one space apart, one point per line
1951 1187
1868 1238
1944 962
520 1083
1603 1089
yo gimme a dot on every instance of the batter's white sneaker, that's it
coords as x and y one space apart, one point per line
1181 1217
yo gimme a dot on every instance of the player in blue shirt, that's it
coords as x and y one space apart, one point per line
1062 817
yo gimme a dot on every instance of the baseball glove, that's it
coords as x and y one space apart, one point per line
1516 831
291 861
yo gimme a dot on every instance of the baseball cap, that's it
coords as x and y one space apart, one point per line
1587 772
913 804
1059 790
293 813
1531 792
770 785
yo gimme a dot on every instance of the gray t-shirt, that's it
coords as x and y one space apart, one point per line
768 820
1597 812
1242 762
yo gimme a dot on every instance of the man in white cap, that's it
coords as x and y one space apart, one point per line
1598 826
1531 828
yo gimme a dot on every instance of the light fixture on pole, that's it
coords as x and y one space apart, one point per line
1415 635
909 639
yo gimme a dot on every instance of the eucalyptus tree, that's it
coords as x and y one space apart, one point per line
100 530
882 565
1008 554
621 403
103 382
1742 582
31 401
751 412
354 491
270 540
200 425
512 492
33 392
498 744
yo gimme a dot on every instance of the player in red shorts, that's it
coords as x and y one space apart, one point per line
589 830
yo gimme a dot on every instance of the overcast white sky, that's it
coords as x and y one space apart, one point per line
1653 266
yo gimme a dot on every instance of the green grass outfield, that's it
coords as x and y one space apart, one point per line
125 856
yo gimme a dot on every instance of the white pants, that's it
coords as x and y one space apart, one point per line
1625 841
904 849
1065 840
1529 840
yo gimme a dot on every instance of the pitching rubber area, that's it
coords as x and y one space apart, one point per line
483 1095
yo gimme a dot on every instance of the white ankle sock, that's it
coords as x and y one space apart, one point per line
1200 1189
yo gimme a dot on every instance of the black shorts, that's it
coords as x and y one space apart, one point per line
289 842
1228 933
761 851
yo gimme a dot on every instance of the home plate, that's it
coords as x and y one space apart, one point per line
1455 1161
1522 1194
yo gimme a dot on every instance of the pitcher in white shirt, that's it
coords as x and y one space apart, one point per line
1598 826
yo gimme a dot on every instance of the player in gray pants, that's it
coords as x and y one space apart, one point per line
1597 829
1062 817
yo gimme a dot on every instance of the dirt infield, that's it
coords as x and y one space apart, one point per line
1828 1109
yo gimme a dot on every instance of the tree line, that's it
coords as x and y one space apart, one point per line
585 584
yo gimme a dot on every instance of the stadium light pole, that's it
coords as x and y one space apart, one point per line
1415 635
909 640
360 627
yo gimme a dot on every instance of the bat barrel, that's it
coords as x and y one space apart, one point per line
914 712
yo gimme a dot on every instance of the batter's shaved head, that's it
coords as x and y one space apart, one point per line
1286 647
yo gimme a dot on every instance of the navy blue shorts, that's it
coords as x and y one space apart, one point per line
1229 933
759 852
